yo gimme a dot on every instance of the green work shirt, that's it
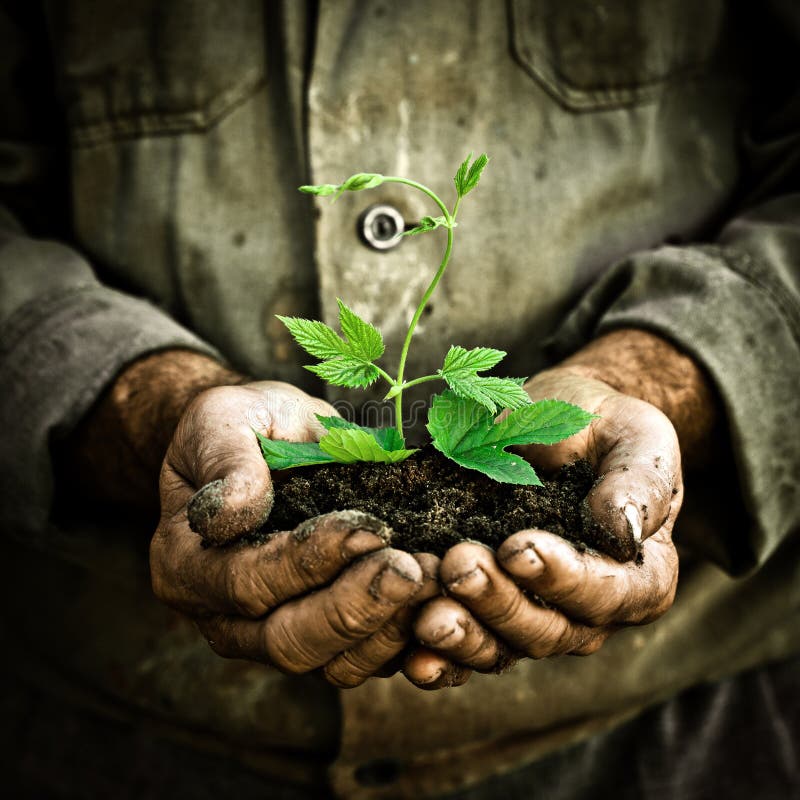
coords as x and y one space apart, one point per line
644 174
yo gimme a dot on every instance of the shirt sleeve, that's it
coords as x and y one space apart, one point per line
734 308
63 335
63 339
733 304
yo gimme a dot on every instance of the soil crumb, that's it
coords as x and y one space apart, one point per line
432 504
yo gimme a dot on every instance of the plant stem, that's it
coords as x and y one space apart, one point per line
386 376
409 384
398 401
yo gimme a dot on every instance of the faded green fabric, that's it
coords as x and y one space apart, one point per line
644 172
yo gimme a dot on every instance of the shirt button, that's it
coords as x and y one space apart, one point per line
381 227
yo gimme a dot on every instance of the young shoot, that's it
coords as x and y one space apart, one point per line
460 419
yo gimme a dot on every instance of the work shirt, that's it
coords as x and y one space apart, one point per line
644 173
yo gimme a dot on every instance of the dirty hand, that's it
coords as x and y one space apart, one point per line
330 594
491 615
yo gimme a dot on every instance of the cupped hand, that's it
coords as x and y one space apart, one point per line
330 595
494 611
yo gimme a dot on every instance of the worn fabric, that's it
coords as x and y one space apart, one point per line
734 739
644 173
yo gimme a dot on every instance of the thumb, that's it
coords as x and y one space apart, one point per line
236 499
641 487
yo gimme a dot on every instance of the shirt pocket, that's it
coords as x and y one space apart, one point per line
593 55
148 67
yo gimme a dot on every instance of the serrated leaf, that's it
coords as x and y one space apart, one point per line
492 393
461 175
542 422
346 371
316 338
456 423
498 465
364 340
464 431
468 175
349 445
459 426
476 360
388 438
284 455
321 190
475 171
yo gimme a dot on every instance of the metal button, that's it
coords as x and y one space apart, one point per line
381 227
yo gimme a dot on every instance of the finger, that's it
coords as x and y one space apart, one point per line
471 575
307 633
428 670
215 452
251 580
639 459
590 587
353 666
282 411
445 626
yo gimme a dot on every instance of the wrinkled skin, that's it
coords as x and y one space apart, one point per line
489 616
333 596
329 596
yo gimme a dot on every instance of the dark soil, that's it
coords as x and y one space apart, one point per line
432 503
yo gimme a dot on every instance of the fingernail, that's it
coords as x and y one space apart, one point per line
447 636
392 586
360 542
472 583
204 505
433 678
634 522
525 563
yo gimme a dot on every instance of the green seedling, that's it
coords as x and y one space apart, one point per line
461 420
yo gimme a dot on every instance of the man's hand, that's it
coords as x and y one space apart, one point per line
330 594
493 611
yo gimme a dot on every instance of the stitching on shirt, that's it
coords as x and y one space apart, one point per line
165 122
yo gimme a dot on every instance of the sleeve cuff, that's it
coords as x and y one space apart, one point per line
57 355
714 304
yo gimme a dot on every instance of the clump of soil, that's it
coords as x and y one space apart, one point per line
432 504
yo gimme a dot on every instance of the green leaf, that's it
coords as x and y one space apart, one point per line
498 465
542 422
464 431
475 172
283 455
321 190
429 224
387 438
362 180
364 340
468 175
349 445
492 393
316 338
476 360
346 371
456 423
461 176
